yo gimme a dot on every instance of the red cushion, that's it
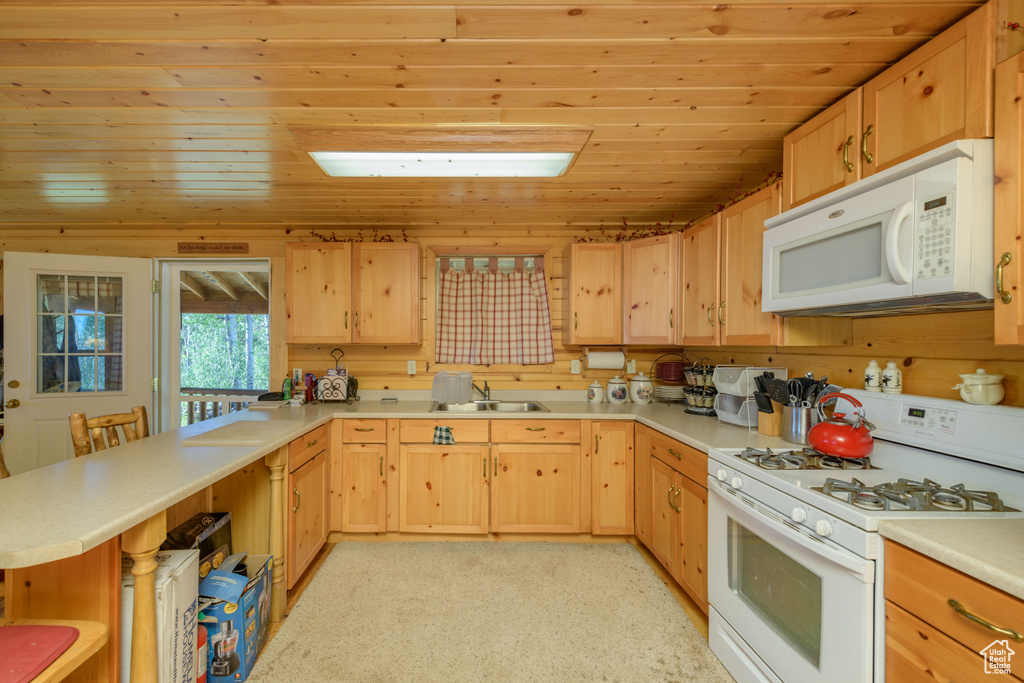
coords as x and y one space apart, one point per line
27 649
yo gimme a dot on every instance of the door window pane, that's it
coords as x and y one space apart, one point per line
783 592
79 341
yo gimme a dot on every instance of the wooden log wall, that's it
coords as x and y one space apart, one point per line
931 349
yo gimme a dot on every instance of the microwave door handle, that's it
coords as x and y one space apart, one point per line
897 268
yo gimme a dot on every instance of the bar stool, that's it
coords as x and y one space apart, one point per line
87 434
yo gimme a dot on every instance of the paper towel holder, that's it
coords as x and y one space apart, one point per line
585 351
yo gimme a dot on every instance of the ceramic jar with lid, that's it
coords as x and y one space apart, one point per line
595 392
981 388
641 388
616 391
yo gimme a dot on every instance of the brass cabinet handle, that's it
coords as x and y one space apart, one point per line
1003 262
671 504
346 320
535 429
13 403
721 310
382 465
678 455
978 620
868 157
597 443
298 500
711 312
485 467
846 154
364 429
678 508
671 321
575 321
355 324
495 466
312 443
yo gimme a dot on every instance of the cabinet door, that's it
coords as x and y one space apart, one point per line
612 477
307 518
693 571
698 283
739 312
387 293
443 489
318 292
642 482
651 271
939 93
363 487
535 488
666 489
823 154
1009 198
595 294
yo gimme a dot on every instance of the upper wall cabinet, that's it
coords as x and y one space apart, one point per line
1009 198
328 301
595 294
318 292
699 283
940 92
651 270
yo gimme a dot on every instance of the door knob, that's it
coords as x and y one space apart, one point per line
13 403
14 384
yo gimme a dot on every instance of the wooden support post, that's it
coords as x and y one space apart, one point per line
277 461
142 542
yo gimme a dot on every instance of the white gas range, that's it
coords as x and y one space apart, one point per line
794 555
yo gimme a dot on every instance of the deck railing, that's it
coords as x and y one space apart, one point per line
198 404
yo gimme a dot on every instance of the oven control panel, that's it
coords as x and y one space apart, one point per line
932 419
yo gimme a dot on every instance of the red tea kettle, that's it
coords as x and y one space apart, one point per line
840 436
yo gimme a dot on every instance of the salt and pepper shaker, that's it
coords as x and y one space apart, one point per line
892 379
873 376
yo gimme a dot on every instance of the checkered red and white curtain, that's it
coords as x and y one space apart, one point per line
488 317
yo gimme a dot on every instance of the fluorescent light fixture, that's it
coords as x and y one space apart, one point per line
443 164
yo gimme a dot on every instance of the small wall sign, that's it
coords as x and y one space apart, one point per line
213 248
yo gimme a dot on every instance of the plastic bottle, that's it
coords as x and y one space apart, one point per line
286 388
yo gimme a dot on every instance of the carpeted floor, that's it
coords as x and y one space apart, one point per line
487 611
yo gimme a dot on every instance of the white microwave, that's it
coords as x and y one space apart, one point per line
918 235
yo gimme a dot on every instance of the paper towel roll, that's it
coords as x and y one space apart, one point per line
606 360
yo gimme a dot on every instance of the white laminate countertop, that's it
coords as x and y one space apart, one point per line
70 507
990 550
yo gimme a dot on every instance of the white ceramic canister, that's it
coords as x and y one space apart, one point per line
595 392
616 390
981 388
892 379
641 388
873 377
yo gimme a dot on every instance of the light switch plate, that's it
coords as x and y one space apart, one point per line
631 365
410 366
574 367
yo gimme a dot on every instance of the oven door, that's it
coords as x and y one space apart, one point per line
801 607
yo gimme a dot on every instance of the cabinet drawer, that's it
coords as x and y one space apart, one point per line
923 587
364 431
680 457
306 447
535 431
463 431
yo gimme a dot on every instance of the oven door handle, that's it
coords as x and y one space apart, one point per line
759 515
899 270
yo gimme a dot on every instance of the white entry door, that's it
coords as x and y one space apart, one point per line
78 338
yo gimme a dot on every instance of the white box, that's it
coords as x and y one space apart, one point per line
177 608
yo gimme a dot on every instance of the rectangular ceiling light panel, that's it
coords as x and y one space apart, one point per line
443 164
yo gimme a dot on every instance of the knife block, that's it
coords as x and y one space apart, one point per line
770 424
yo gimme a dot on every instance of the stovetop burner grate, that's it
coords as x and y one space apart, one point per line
909 495
803 459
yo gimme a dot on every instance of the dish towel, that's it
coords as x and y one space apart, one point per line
443 436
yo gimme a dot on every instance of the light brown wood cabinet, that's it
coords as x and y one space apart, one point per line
611 477
341 292
535 488
650 290
699 283
677 534
1009 202
307 501
927 638
595 294
939 93
642 507
360 482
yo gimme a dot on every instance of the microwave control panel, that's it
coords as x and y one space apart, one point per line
934 238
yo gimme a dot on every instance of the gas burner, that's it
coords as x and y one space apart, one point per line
906 494
957 498
859 494
803 459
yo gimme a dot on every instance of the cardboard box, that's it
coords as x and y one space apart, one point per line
236 613
210 532
177 607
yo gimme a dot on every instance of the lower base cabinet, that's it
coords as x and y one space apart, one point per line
363 488
535 488
307 515
443 489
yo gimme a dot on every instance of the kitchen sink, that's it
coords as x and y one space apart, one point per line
484 406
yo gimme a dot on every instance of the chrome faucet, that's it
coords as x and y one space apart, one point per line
485 392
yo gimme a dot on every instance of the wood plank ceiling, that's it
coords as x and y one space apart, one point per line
130 113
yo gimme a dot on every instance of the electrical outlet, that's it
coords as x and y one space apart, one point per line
631 365
410 366
574 367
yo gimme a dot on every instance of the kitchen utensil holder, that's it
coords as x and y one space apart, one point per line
797 423
770 424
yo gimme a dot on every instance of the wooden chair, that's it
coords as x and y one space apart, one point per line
87 433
